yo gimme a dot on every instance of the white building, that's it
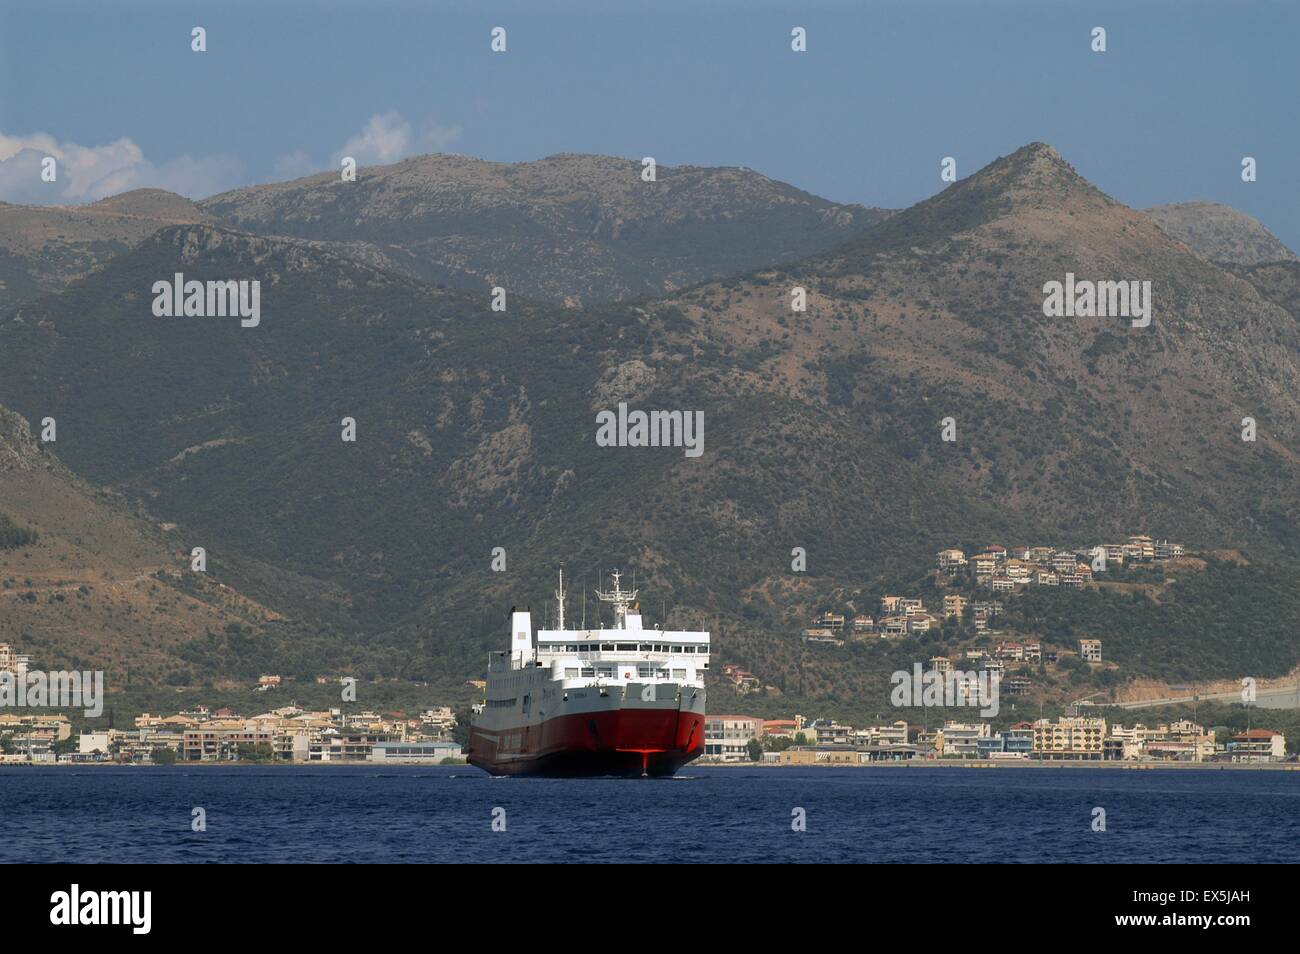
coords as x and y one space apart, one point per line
961 739
89 743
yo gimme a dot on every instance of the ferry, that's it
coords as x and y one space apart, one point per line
622 701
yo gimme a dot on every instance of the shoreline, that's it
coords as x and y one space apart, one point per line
908 764
1027 763
232 764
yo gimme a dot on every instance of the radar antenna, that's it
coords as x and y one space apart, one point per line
620 598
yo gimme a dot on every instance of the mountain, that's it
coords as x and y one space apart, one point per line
1279 282
475 430
1221 233
569 228
1070 431
91 584
44 247
236 432
1085 425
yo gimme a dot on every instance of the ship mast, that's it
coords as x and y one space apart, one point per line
620 597
559 599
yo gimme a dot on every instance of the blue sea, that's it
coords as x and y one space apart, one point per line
446 813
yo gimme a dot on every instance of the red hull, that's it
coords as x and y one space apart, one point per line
627 741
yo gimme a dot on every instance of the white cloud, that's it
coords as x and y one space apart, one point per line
387 137
88 173
295 165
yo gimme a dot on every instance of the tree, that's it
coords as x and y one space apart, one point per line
258 752
755 750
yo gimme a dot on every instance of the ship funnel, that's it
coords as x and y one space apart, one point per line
523 649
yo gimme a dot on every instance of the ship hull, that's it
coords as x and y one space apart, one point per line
620 741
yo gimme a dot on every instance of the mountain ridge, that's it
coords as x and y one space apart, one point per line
1221 233
823 427
471 222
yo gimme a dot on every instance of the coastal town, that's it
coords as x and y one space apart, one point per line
292 734
1081 739
289 733
998 570
967 596
284 734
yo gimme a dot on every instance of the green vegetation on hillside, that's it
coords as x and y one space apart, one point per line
1230 620
12 535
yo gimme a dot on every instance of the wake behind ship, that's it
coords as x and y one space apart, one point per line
584 702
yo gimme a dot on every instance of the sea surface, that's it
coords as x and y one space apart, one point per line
446 814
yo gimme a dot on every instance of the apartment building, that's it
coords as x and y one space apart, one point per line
1017 685
1018 571
1070 737
415 753
1063 561
1164 550
440 720
1182 740
220 739
893 734
1090 650
830 732
727 737
893 626
1142 546
961 739
920 622
1016 742
333 746
13 661
950 560
1257 745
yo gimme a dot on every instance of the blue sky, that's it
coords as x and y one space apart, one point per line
885 90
